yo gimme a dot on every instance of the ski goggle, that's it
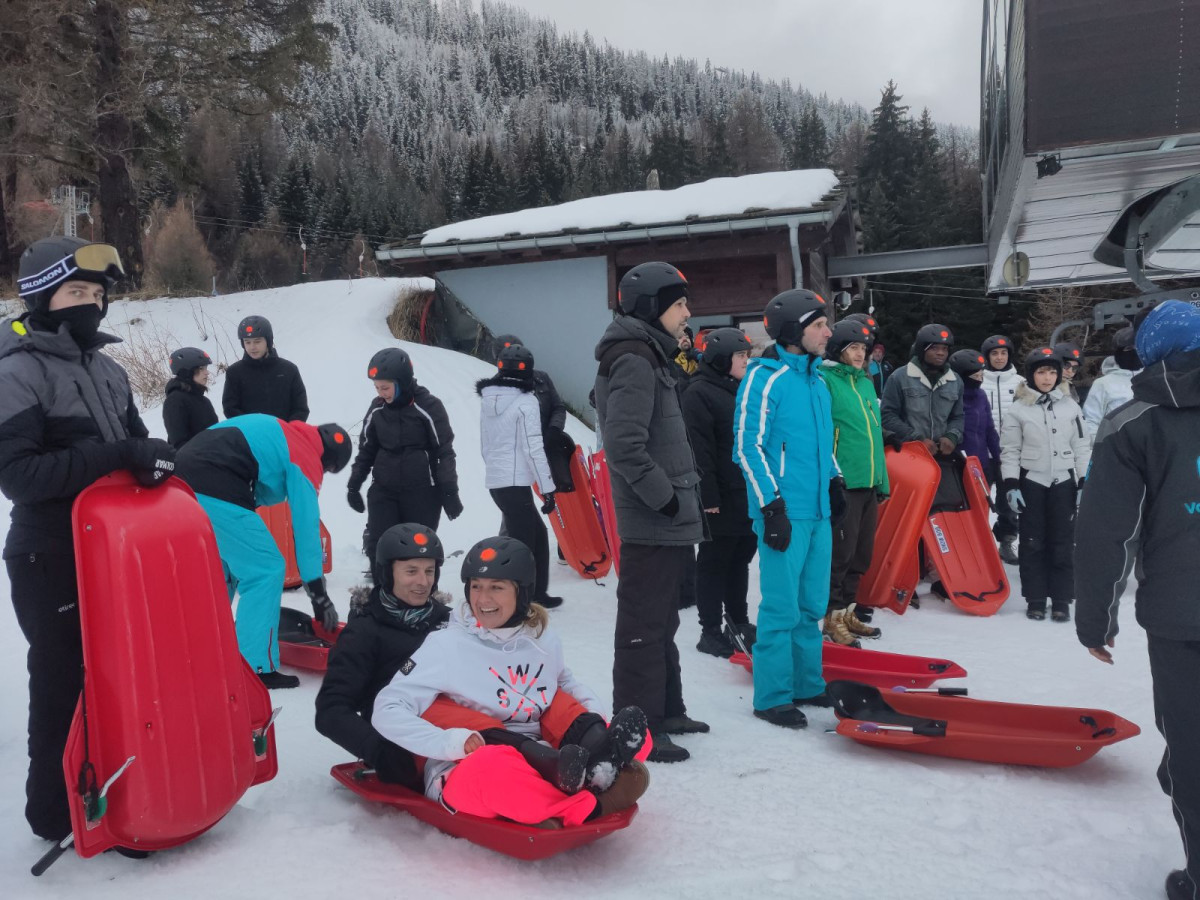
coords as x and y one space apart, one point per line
91 262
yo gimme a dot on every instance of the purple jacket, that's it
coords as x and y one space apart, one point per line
979 431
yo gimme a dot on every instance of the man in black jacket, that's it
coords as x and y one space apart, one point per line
375 643
262 381
186 411
1145 477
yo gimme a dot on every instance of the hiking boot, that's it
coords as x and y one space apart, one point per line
1061 614
1036 612
715 644
684 725
821 699
549 602
838 631
785 716
864 613
626 790
1008 552
277 681
1180 886
666 750
857 626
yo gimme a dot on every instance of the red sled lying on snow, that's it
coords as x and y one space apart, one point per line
279 521
576 525
510 838
303 641
602 490
986 731
172 727
875 667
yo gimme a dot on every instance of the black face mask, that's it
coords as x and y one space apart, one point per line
82 321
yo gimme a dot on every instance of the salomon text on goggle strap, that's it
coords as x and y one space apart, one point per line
91 259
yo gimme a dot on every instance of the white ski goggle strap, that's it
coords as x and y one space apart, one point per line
94 259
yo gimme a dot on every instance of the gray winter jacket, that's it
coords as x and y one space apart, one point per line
916 410
645 437
1044 439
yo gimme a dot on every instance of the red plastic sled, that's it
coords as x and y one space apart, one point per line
961 546
279 521
509 838
602 491
893 575
303 641
982 730
886 670
576 526
165 688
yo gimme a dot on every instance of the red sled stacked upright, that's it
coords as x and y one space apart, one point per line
576 525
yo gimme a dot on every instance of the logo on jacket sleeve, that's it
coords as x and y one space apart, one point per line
408 666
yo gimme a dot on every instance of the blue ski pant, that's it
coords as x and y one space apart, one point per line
254 567
795 594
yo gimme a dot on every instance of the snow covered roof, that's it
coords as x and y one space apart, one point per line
718 197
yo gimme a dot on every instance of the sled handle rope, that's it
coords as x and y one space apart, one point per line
1100 732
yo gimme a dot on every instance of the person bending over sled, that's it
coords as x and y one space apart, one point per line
499 663
251 461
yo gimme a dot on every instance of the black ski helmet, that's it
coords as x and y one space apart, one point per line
500 341
407 540
719 346
516 361
47 263
967 362
187 360
648 290
392 364
507 559
1042 356
870 321
998 342
789 313
256 327
1124 350
845 333
336 447
1069 351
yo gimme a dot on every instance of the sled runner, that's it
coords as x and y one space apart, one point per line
279 521
510 838
885 670
958 540
894 572
171 717
576 526
303 641
602 491
982 730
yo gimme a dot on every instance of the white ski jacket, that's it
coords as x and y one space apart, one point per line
510 435
1110 390
507 673
1001 389
1044 437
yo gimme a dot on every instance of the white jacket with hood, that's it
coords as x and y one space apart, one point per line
1113 388
1044 437
1001 390
510 434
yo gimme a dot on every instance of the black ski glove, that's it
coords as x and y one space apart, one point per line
452 504
893 440
777 530
671 508
837 501
395 765
152 461
355 498
548 504
323 609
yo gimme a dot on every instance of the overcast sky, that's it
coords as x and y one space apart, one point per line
847 49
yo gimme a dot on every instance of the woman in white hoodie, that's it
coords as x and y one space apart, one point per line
499 657
514 456
1000 382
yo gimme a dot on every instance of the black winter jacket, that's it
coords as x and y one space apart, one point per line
64 415
270 385
708 407
368 653
554 411
186 411
1145 474
407 444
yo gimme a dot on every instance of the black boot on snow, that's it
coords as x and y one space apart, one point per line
549 602
275 681
715 644
613 748
1180 886
785 716
666 750
1036 612
1061 614
747 632
684 725
821 699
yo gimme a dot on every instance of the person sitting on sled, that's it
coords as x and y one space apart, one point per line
498 662
250 461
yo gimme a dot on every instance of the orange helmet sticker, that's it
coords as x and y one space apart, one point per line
420 539
945 334
488 554
372 372
339 438
1002 342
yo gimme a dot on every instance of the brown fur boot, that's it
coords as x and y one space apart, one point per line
629 785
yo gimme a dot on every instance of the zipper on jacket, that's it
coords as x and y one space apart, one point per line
870 431
783 459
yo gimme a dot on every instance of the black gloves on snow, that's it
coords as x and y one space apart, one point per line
837 501
322 606
355 498
152 461
777 530
549 505
452 504
671 508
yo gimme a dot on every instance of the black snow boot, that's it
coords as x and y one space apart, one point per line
747 632
785 716
1180 886
274 681
821 699
684 724
1036 610
549 602
666 750
715 644
565 768
613 748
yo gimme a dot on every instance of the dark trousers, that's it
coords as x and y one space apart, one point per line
386 507
687 590
646 660
46 600
524 523
722 577
1006 527
853 544
1175 669
1047 527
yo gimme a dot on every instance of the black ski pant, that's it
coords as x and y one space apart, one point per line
646 660
387 507
1175 670
853 544
722 577
46 600
1047 528
525 524
687 590
1006 527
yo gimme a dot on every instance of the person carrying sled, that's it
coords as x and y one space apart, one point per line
980 438
656 493
407 447
723 563
250 461
1114 387
1044 453
1000 382
858 441
923 401
514 456
1071 356
67 418
186 411
262 381
500 669
784 445
1143 480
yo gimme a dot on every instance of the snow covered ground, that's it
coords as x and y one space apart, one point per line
758 811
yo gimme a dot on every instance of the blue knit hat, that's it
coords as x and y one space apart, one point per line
1171 327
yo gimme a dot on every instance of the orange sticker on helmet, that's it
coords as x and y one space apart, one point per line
945 334
1002 342
339 438
488 554
372 372
420 538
